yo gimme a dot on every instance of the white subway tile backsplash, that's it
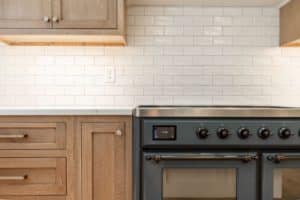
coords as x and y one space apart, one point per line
154 30
173 11
45 60
223 21
144 20
213 11
232 11
136 11
175 55
174 30
163 21
154 10
213 31
252 11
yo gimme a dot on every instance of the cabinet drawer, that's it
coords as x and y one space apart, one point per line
32 176
33 197
32 135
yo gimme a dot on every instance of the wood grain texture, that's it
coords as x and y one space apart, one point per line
24 13
44 176
81 23
94 165
106 158
49 171
217 3
33 197
289 24
36 135
88 14
63 40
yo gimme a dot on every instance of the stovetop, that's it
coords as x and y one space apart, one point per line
226 126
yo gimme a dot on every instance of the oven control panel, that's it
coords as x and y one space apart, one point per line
164 132
225 132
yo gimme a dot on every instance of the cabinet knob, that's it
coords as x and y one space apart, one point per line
46 19
118 132
55 19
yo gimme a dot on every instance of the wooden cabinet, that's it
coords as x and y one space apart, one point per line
32 176
21 14
289 24
65 158
19 134
36 158
88 14
205 3
106 159
62 22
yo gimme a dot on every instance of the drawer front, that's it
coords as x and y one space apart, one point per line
33 135
33 197
32 176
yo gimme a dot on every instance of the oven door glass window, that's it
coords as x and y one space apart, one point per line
199 184
199 176
286 183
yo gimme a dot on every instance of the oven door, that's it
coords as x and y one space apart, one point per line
281 176
199 176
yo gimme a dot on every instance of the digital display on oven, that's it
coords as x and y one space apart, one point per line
164 132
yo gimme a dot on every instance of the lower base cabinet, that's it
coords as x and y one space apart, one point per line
105 159
93 161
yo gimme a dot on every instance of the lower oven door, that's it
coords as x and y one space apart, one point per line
199 176
281 176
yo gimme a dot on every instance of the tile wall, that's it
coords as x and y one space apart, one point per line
175 55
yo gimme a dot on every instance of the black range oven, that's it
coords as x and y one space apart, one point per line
216 153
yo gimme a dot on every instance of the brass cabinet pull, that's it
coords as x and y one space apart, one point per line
13 136
13 178
46 19
55 19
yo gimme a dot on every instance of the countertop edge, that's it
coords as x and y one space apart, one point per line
66 111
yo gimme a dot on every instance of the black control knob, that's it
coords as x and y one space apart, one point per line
223 133
202 133
264 133
244 133
284 133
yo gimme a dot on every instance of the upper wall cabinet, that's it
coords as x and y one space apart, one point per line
289 24
21 14
85 14
208 2
62 22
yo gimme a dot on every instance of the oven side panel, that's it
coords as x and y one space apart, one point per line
136 158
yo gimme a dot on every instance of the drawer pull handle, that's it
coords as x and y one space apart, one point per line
13 178
55 19
46 19
15 136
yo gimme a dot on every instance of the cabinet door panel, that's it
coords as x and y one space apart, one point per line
25 14
103 161
87 14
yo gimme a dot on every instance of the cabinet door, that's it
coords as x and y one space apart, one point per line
104 167
85 14
25 14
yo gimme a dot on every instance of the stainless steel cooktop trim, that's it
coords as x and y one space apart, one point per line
217 111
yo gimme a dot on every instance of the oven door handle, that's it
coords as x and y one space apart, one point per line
278 158
158 158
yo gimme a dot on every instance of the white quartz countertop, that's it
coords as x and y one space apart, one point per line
4 111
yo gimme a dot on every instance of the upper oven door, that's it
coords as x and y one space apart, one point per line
281 176
199 176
